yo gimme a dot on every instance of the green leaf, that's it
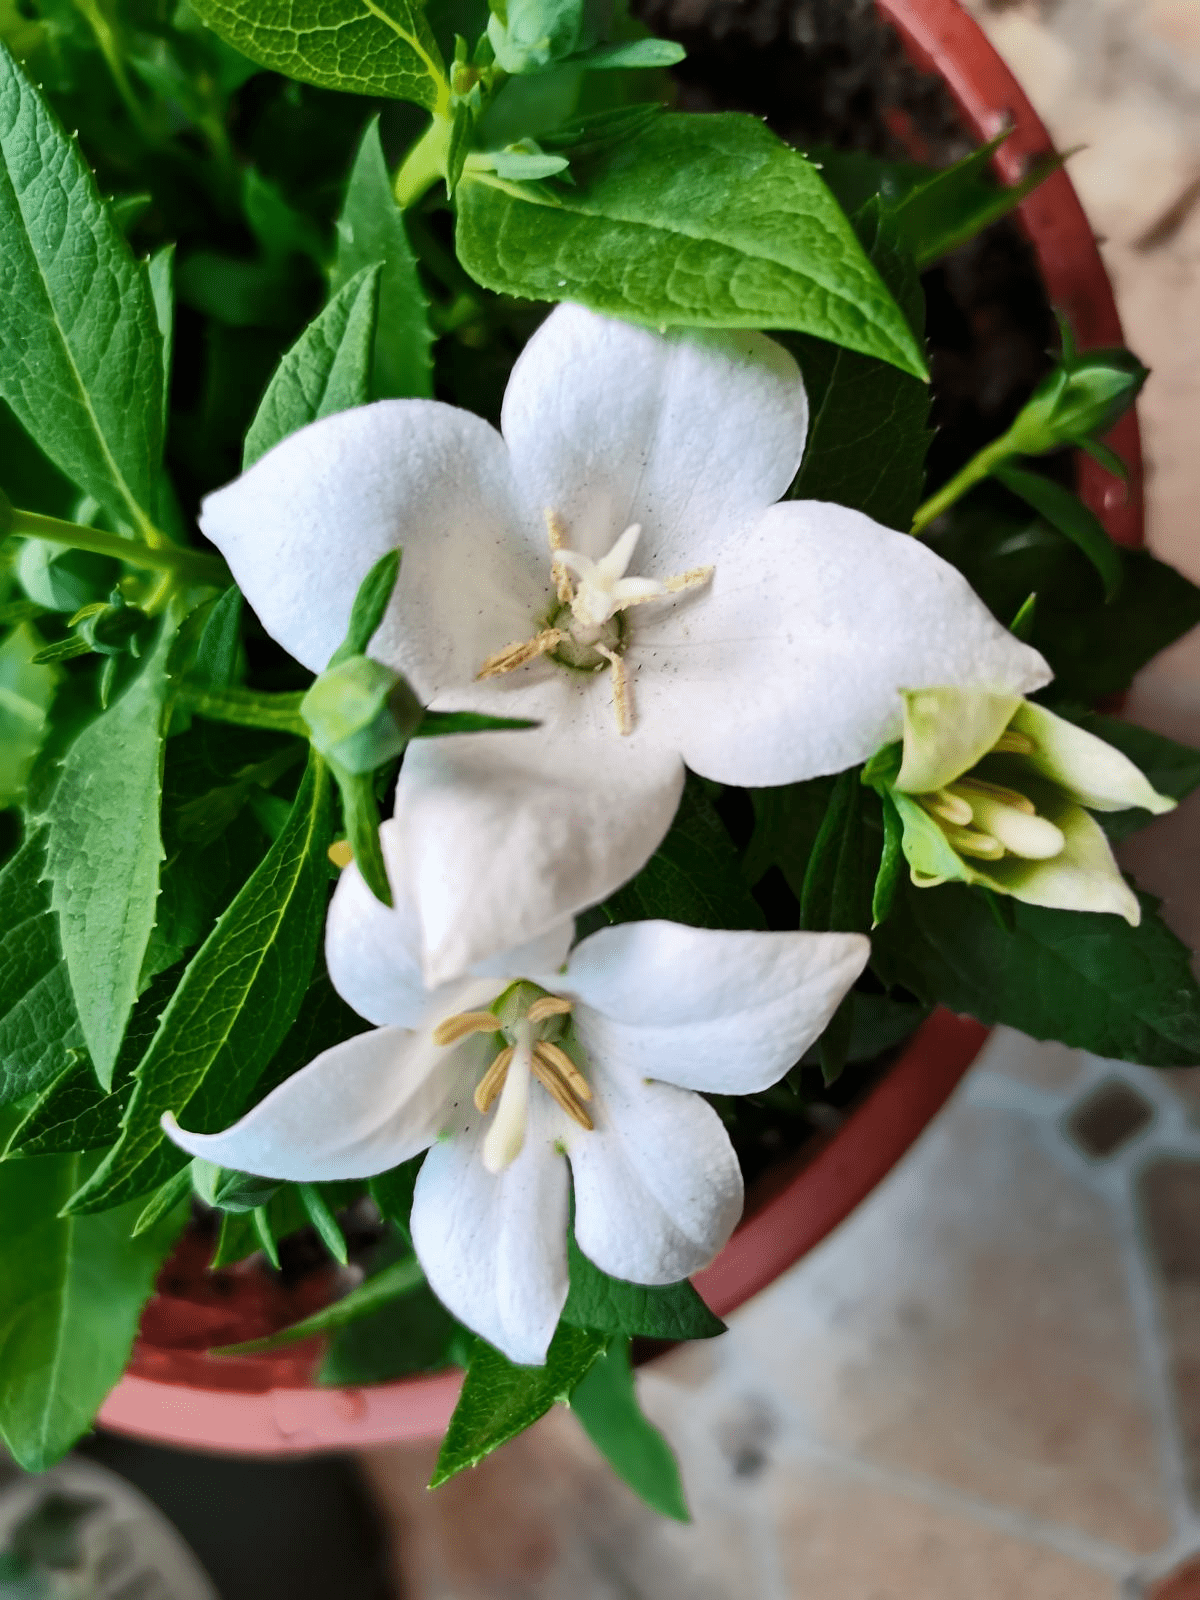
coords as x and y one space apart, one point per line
610 1305
633 53
694 876
218 649
891 864
401 1278
835 893
326 370
236 1001
373 47
371 601
371 230
103 851
869 433
324 1222
729 227
71 1292
39 1027
787 822
1066 512
1087 979
160 277
437 724
411 1333
81 360
500 1400
607 1406
26 693
392 1192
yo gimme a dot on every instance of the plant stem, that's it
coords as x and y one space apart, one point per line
111 51
193 564
976 470
424 164
247 708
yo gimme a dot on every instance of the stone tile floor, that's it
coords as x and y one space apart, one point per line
986 1384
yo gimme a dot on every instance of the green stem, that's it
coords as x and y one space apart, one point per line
110 50
424 164
247 708
191 564
976 470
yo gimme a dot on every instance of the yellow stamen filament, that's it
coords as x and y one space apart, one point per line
968 842
560 1093
553 1056
949 807
556 531
620 689
492 1082
340 853
550 1005
1012 743
465 1022
997 791
520 653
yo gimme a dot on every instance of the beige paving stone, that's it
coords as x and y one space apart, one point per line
852 1540
1049 1066
970 1323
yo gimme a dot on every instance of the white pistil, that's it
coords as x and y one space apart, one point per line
604 589
505 1138
622 708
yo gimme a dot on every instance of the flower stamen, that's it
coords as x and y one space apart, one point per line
556 1057
559 1090
556 531
520 652
622 708
490 1085
997 791
463 1023
1012 743
550 1005
949 807
969 842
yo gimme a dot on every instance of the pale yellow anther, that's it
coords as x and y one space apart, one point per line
969 842
560 1091
997 791
556 531
554 1056
550 1005
490 1085
622 708
1012 743
463 1023
692 579
948 807
520 653
340 854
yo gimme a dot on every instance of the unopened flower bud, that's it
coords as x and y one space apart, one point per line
1079 400
361 714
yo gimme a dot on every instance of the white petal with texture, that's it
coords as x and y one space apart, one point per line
1092 771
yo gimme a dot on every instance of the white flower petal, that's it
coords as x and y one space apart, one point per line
302 528
725 1012
689 434
355 1110
508 833
494 1247
658 1189
948 730
791 662
1089 769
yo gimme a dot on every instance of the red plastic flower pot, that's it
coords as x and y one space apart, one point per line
176 1393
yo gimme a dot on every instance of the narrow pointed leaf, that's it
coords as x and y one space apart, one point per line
327 370
606 1404
39 1027
81 359
1066 512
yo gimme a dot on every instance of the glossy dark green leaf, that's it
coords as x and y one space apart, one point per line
610 1305
607 1406
39 1026
371 231
1087 979
1066 512
71 1292
729 227
103 854
327 370
401 1278
235 1003
500 1400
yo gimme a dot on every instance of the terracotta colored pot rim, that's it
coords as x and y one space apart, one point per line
941 37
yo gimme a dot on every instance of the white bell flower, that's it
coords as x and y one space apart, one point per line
546 1060
613 564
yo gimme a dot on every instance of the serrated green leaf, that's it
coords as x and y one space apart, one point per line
401 1278
694 876
1066 512
160 275
610 1305
103 852
500 1400
959 202
80 351
869 433
71 1292
411 1333
236 1001
729 227
327 369
219 646
373 47
371 230
607 1406
39 1027
1087 979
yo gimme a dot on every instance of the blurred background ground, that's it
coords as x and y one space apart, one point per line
985 1385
